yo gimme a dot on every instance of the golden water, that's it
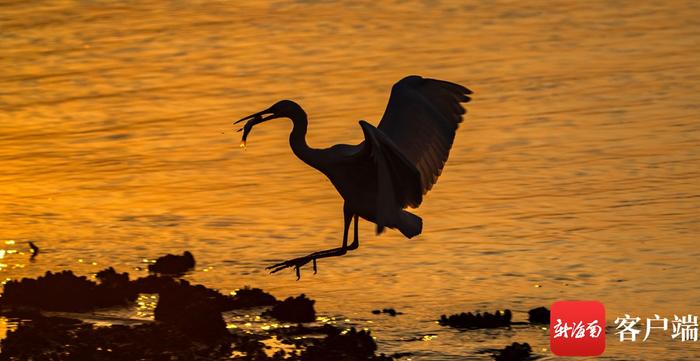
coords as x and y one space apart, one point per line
574 176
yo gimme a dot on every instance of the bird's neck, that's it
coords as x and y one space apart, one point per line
297 140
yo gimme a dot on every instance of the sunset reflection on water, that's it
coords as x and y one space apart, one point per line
574 175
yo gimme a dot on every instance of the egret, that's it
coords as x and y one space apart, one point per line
398 162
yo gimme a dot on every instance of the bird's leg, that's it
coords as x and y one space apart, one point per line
297 263
356 241
334 252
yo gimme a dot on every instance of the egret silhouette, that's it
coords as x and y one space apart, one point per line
396 164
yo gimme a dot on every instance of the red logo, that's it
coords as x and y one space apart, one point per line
577 328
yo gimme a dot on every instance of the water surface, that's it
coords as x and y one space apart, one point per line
574 176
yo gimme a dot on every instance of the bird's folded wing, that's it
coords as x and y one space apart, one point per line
398 180
421 119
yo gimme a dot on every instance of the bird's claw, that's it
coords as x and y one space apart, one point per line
297 263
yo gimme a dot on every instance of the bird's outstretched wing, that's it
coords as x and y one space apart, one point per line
421 120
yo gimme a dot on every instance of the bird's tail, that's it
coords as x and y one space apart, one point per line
409 224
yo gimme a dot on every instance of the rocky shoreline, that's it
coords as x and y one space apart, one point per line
188 323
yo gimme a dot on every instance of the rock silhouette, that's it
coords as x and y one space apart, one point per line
188 323
538 315
171 264
293 309
352 345
389 311
64 291
514 352
478 320
192 310
60 339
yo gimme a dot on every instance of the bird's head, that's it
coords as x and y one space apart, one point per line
281 109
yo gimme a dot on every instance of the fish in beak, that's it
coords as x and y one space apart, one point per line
254 119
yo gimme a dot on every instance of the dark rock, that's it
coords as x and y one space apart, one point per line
58 339
65 291
302 336
110 277
538 315
335 344
171 264
192 310
153 283
53 339
49 338
115 288
349 346
303 330
514 352
244 297
22 313
293 309
250 297
389 311
188 326
478 320
254 349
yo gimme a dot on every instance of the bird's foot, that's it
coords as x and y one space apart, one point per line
297 263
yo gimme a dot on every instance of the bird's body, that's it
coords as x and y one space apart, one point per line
393 167
355 179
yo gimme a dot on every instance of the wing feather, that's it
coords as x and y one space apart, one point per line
398 178
421 120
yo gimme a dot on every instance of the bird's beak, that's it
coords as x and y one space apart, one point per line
254 119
